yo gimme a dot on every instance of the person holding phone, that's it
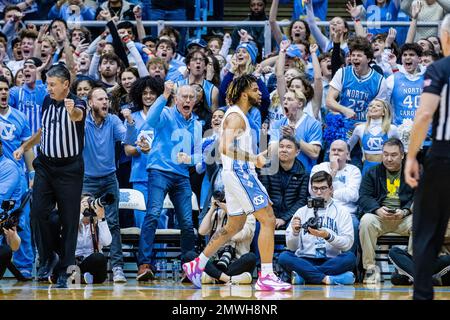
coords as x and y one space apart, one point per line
385 201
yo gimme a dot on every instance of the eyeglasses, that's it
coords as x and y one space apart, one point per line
322 189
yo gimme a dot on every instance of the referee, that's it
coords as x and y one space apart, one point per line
431 205
59 168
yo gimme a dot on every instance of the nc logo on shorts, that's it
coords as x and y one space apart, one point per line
258 200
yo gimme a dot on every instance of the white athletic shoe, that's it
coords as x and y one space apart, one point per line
243 278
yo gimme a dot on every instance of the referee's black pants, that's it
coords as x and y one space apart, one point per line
58 181
431 212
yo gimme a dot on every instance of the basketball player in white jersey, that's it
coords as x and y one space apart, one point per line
243 191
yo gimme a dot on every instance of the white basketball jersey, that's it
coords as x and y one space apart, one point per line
244 142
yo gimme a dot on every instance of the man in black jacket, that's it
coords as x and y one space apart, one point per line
257 13
288 188
385 200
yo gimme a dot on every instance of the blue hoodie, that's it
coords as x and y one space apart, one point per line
173 134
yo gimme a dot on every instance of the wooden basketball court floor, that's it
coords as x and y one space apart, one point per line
13 290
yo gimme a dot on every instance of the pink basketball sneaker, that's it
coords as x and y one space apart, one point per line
271 283
194 272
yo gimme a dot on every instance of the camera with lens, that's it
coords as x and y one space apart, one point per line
226 255
219 195
9 221
312 223
100 202
316 203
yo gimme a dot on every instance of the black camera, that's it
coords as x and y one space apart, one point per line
312 223
9 221
7 205
219 195
226 255
100 202
316 203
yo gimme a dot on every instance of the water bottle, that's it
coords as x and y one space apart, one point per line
176 271
158 268
163 270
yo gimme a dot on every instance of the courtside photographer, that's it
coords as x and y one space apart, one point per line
319 237
93 235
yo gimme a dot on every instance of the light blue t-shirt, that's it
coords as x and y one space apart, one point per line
14 130
10 180
307 129
320 8
139 162
388 12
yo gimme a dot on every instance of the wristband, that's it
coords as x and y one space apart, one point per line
103 220
138 149
356 20
31 175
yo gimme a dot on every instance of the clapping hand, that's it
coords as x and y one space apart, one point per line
144 145
183 158
287 130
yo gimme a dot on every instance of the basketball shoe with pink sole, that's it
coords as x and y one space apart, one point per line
194 272
271 283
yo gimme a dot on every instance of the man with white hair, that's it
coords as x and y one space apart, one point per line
176 147
431 205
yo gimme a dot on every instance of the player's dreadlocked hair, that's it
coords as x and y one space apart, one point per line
239 85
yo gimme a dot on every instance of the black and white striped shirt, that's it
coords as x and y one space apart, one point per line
61 137
437 81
